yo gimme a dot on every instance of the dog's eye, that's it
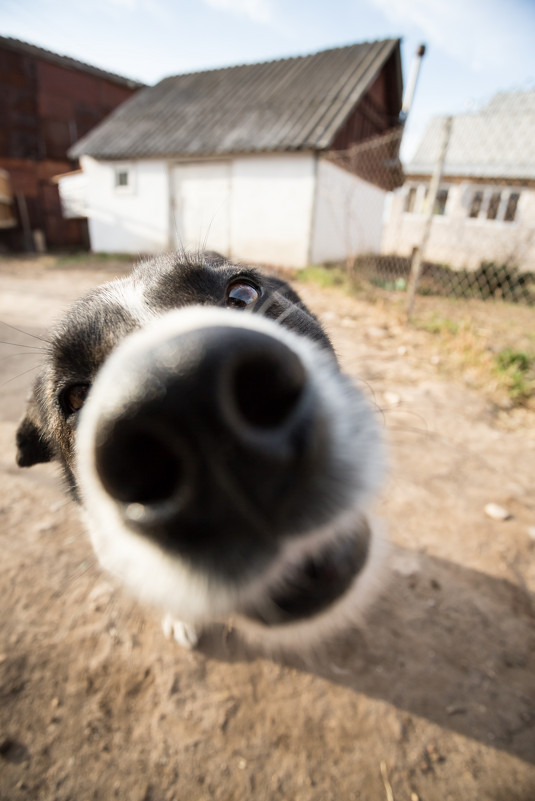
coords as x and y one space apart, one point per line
241 294
73 397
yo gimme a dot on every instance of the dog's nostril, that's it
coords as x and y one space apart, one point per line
135 465
265 387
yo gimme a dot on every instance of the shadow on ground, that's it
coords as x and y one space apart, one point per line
421 652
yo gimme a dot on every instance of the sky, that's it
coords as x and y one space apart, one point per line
475 48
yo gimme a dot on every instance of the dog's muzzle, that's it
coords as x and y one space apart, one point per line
212 450
215 444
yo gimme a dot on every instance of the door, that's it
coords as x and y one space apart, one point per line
200 207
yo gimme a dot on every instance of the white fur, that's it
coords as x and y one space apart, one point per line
164 580
182 633
130 294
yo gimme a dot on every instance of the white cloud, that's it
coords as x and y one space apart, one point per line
256 10
129 4
482 34
154 7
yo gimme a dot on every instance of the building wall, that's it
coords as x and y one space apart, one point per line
456 239
249 208
377 111
36 194
200 205
272 201
348 215
282 209
44 109
253 208
132 218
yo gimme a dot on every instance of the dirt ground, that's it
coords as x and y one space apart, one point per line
432 699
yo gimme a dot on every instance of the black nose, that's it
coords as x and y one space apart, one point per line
216 432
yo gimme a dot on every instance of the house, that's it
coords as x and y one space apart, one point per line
485 206
47 102
242 160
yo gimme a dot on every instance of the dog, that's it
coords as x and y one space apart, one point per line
223 461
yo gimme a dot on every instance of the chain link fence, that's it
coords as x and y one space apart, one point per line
462 224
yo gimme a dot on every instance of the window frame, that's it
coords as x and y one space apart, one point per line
496 200
127 188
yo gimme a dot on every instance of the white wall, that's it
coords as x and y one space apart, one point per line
283 209
73 195
347 217
271 208
200 206
458 240
133 219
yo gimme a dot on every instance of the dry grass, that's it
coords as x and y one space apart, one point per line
489 344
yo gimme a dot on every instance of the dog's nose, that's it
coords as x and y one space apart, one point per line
216 430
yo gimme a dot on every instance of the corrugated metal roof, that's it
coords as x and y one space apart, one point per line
290 104
65 61
496 142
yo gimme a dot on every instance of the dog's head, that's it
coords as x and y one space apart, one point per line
221 457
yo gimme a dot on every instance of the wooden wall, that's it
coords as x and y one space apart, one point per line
44 109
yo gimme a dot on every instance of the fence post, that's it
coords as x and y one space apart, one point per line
418 257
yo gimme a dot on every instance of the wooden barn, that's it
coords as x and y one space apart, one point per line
47 102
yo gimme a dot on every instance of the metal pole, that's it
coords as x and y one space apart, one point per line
413 80
418 257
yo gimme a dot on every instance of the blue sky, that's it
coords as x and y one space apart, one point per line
475 47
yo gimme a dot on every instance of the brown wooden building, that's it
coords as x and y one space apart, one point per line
47 103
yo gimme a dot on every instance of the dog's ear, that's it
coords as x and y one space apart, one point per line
32 445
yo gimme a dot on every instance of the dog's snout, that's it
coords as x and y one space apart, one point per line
208 434
264 384
137 464
219 451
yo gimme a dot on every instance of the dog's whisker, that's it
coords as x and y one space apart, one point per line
19 375
21 355
75 575
26 333
23 345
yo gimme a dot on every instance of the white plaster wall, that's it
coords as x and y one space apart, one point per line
348 215
456 239
72 194
132 219
271 208
200 205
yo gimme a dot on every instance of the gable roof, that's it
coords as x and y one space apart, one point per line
498 141
8 43
289 104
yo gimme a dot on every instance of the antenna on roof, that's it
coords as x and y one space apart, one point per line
411 83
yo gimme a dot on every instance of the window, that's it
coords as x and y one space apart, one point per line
122 178
440 202
494 205
510 210
475 206
410 199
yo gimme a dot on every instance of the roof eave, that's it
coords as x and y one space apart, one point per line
77 152
474 172
392 45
